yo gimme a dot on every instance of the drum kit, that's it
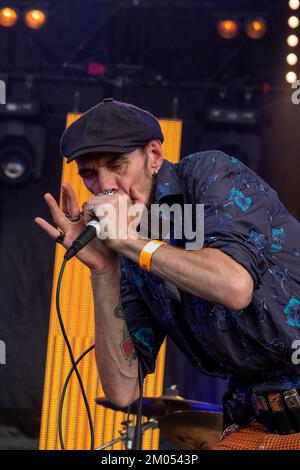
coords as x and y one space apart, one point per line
186 424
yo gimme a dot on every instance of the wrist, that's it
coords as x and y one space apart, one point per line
110 271
130 248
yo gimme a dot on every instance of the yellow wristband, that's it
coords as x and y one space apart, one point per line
147 252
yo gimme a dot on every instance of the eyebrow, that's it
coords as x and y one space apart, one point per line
113 158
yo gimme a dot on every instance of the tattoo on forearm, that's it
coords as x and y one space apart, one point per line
126 345
119 312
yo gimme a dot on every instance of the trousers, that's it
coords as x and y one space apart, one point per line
255 436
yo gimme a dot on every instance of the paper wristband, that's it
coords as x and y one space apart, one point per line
147 252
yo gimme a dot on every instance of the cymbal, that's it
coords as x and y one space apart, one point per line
192 430
187 424
159 406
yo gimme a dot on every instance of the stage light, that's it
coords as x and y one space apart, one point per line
256 28
8 17
291 77
293 22
22 142
16 161
35 19
292 59
96 68
294 4
228 29
292 40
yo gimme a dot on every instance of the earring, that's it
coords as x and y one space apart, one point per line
156 171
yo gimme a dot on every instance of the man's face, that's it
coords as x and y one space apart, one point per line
130 173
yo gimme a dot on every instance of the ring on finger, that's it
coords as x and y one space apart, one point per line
90 209
72 219
60 237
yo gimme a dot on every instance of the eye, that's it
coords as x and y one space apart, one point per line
116 166
86 174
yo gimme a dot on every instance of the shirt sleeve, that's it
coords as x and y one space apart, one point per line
146 334
237 209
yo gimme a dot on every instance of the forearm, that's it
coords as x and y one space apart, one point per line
116 363
207 273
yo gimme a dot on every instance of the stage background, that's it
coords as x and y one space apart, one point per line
27 255
26 269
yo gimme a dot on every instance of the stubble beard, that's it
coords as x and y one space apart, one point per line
152 194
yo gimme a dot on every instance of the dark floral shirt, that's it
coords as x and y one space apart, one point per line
244 218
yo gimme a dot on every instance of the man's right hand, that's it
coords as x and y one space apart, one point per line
95 255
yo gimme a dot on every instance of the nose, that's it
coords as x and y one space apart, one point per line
106 180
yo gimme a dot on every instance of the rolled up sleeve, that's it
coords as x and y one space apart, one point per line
237 210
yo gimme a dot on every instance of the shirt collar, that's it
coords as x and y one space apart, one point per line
168 183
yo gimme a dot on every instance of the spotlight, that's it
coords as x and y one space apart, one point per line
256 28
294 4
8 17
228 29
16 161
291 77
22 142
293 22
292 59
292 40
35 19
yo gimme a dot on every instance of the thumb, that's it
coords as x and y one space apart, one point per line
136 196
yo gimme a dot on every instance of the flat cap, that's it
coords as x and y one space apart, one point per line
110 126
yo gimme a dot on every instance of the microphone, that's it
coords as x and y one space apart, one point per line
91 230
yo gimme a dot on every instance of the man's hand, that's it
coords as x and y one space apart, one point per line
95 255
119 217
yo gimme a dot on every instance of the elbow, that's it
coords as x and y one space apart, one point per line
122 400
240 303
243 293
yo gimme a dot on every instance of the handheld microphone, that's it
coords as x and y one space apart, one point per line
91 230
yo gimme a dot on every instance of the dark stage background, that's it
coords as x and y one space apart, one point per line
169 60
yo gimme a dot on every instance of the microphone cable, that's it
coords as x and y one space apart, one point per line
63 393
137 439
74 366
137 442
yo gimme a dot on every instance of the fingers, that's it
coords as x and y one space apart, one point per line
136 196
87 214
49 229
70 206
57 214
69 201
64 200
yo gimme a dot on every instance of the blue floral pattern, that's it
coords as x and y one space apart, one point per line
240 200
292 311
278 236
245 219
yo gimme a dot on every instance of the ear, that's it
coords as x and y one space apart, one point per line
155 155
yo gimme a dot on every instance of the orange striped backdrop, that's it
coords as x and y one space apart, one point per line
77 310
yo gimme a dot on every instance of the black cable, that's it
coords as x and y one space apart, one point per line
63 394
62 398
137 441
72 359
